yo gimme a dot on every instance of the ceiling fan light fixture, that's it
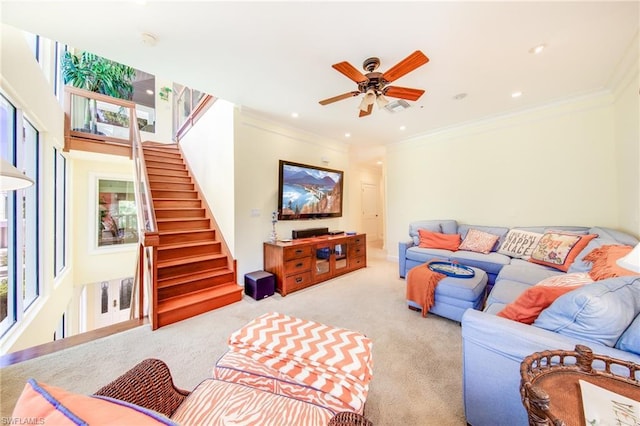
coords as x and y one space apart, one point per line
382 101
368 99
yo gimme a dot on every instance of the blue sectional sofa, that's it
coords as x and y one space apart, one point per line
603 315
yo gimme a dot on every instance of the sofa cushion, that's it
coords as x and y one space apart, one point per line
506 291
479 241
603 261
526 272
613 235
519 243
438 240
630 339
445 226
491 262
425 254
56 406
581 265
429 225
559 249
599 312
532 301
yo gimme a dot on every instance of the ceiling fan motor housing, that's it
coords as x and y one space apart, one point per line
374 81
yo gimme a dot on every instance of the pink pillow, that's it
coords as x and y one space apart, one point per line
532 301
479 241
563 280
437 240
56 406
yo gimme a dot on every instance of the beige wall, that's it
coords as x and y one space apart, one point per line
550 166
259 145
627 139
94 264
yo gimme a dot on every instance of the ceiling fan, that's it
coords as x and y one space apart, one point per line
374 84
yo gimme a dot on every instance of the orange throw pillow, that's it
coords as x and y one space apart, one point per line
437 240
532 301
603 262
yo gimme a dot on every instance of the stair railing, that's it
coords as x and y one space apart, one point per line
148 229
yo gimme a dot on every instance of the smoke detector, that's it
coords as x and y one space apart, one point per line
397 106
148 39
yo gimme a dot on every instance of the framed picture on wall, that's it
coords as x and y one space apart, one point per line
116 214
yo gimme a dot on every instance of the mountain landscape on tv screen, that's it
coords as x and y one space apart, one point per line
309 191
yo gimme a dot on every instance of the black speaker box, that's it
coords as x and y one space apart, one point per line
308 233
259 284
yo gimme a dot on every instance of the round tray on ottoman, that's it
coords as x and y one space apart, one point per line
454 295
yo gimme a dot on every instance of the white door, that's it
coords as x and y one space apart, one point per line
370 211
113 301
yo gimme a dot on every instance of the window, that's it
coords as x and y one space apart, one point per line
19 223
116 217
60 211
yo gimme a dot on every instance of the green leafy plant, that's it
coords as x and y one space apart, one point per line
97 74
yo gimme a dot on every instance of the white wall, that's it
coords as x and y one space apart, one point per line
550 166
24 83
208 150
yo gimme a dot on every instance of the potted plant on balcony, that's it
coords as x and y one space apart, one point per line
97 74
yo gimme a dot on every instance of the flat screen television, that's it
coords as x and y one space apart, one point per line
309 192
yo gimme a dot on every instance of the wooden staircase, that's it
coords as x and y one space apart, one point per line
194 274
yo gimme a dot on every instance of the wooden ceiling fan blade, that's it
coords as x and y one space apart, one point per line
403 92
339 97
405 66
350 71
367 112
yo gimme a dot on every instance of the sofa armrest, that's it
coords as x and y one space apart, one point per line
402 256
492 350
148 384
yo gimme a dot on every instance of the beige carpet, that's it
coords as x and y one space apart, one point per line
417 378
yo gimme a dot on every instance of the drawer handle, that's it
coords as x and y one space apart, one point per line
298 251
299 265
298 280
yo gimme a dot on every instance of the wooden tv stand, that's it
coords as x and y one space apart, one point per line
302 263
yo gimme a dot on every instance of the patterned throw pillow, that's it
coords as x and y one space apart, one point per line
478 241
564 280
519 244
558 249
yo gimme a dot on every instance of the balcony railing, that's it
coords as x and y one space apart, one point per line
99 123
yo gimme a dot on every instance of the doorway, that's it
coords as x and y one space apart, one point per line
371 217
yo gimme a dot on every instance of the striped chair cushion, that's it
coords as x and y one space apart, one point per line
215 402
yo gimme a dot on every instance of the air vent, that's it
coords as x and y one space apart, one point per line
397 106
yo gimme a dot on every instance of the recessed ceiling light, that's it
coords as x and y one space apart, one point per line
294 114
403 127
379 163
516 94
347 135
149 92
460 96
537 49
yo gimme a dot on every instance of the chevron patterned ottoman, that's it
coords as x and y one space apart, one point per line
301 359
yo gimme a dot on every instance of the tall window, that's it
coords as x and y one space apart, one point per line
60 211
19 224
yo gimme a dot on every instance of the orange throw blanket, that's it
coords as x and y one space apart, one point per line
421 286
